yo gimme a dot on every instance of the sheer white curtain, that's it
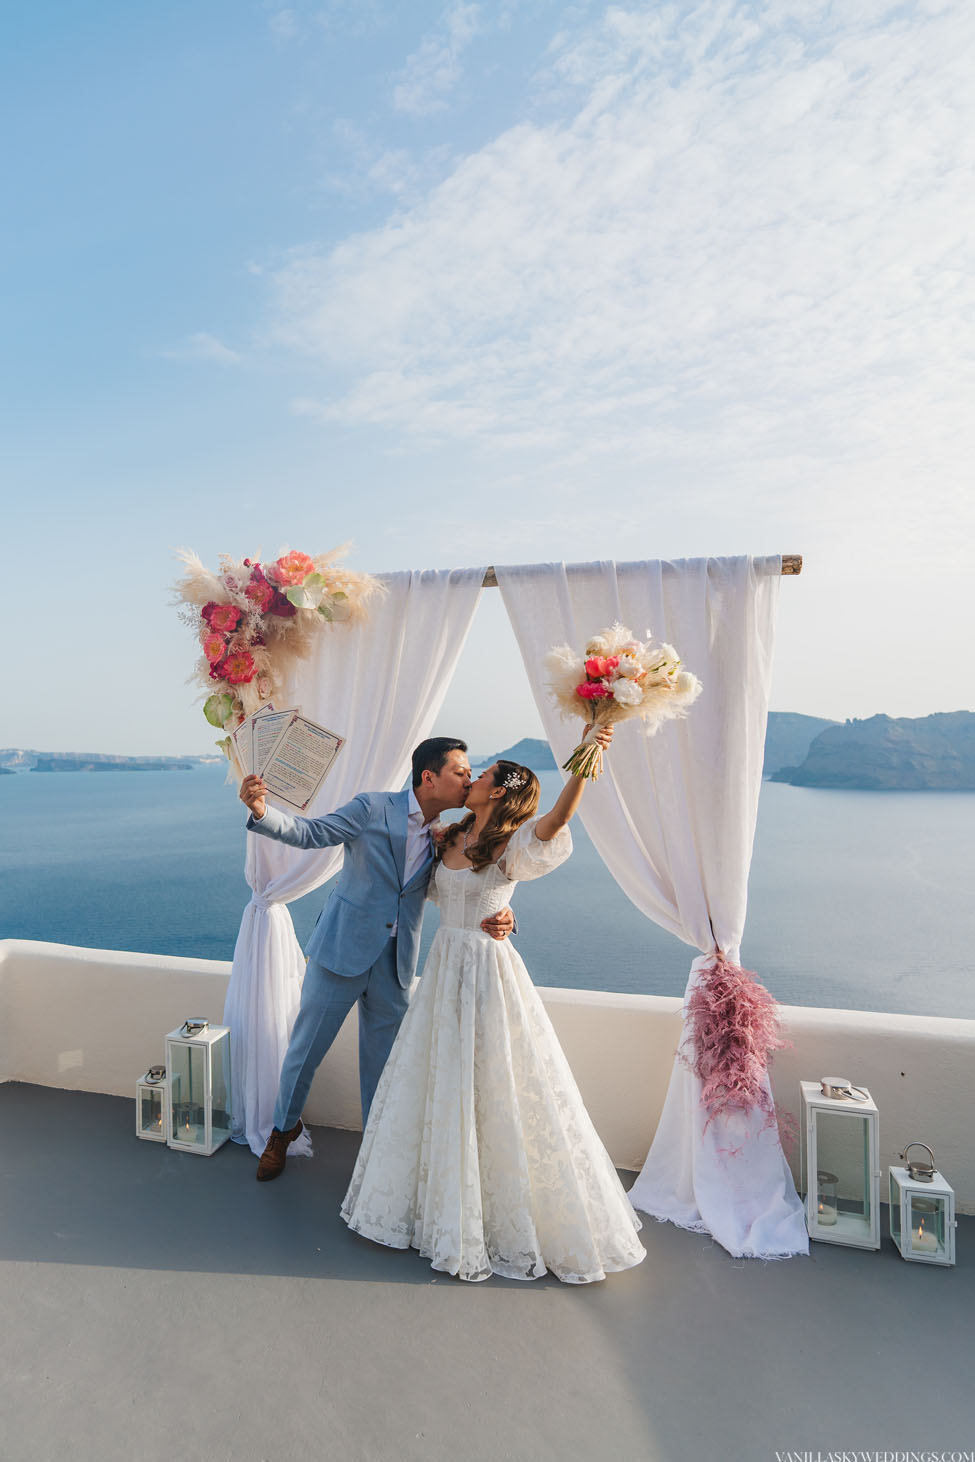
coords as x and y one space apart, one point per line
380 685
674 819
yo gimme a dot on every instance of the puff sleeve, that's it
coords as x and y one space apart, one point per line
527 857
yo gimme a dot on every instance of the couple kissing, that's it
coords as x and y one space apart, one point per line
477 1149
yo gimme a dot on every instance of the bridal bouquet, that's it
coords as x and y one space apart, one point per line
618 677
254 621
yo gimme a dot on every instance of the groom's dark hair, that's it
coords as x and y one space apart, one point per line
431 755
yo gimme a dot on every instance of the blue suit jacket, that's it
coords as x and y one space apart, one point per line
370 897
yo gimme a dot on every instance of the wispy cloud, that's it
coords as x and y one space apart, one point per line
371 168
742 244
283 24
202 346
433 71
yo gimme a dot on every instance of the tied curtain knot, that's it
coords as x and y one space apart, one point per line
261 904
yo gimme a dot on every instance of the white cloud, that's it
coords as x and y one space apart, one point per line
739 253
201 346
433 71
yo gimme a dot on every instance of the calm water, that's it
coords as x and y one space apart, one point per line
858 899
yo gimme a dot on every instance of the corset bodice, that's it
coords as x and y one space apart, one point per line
466 897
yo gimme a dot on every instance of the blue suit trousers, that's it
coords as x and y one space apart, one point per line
326 999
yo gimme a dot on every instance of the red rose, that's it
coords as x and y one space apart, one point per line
259 591
282 607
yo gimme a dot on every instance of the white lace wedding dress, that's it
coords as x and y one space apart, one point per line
479 1151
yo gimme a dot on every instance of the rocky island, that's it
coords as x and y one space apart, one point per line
20 759
885 753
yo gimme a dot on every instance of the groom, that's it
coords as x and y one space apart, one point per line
365 944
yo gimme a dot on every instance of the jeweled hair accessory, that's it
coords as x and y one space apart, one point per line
514 780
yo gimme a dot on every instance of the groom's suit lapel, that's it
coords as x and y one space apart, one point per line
423 871
396 815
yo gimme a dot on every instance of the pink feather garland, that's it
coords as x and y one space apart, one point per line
731 1031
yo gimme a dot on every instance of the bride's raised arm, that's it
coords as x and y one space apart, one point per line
569 798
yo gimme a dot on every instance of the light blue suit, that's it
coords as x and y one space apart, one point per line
353 954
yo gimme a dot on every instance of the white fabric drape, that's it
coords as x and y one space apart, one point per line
380 685
673 817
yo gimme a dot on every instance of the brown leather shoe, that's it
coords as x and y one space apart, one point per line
275 1155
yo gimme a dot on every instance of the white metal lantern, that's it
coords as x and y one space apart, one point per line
922 1211
198 1062
838 1149
152 1105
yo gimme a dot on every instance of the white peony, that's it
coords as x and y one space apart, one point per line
627 692
629 666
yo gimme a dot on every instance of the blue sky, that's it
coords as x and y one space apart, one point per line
474 283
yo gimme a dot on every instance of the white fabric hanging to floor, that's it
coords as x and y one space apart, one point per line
673 818
380 685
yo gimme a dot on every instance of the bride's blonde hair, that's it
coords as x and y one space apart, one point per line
520 801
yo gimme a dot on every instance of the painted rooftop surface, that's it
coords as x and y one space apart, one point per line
157 1305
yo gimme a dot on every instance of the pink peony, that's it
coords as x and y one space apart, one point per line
214 647
601 665
292 568
259 591
222 617
238 667
591 690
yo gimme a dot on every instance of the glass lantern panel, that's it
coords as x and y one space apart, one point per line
927 1222
826 1198
188 1067
220 1086
151 1116
843 1147
895 1211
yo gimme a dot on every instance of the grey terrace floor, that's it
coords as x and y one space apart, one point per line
166 1308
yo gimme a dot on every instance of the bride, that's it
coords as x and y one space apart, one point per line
479 1151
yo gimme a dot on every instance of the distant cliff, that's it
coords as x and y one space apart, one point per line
19 759
788 738
528 752
882 753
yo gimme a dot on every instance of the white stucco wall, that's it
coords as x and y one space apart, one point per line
94 1020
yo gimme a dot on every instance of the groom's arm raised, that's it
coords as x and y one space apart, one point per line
340 826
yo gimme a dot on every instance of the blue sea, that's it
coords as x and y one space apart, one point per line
858 900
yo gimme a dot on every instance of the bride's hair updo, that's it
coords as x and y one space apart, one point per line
520 801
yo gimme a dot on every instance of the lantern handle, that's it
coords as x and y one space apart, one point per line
920 1172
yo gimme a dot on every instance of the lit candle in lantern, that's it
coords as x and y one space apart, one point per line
924 1240
828 1209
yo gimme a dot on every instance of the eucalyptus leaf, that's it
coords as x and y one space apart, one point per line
304 597
218 707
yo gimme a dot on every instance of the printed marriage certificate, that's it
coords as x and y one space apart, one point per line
299 761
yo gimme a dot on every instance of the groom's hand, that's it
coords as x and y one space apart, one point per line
500 925
251 793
